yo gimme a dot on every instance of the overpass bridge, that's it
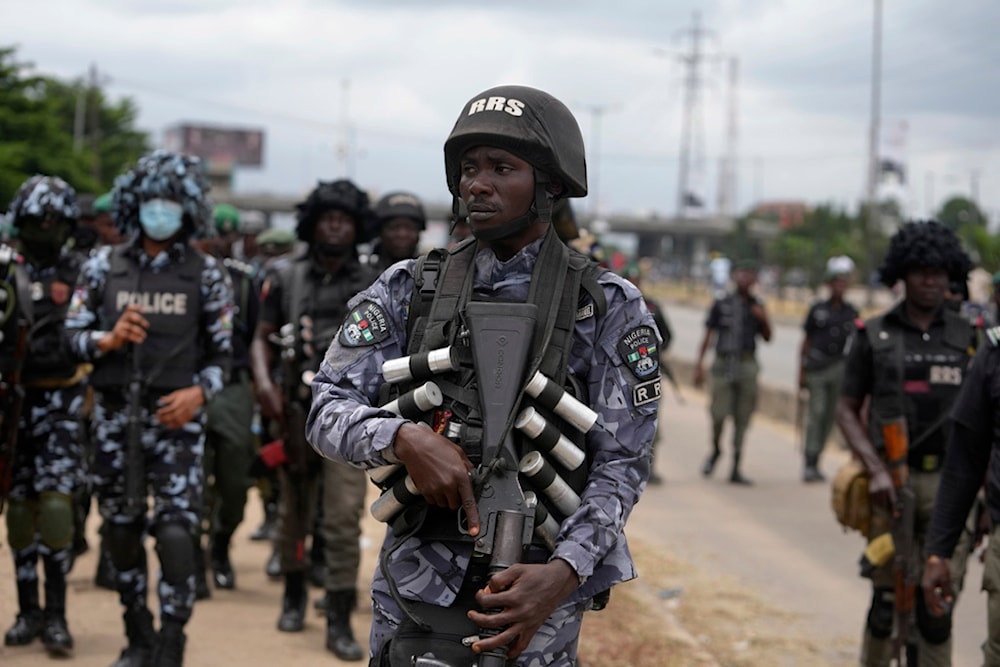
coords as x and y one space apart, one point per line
686 241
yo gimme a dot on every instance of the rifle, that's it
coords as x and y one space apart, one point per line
135 467
11 388
668 373
500 335
906 563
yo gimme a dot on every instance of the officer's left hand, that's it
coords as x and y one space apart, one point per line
757 311
179 407
526 595
936 582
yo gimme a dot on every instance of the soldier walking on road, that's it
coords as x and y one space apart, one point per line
910 363
829 327
229 441
736 321
155 317
304 302
512 152
48 465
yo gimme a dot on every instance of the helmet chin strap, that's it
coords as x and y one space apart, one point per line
540 209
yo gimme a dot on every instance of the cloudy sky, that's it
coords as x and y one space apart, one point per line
388 78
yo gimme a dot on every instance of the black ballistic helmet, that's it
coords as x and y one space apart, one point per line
400 205
340 195
529 123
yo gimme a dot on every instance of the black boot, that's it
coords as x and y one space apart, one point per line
141 639
201 591
709 465
105 575
222 569
265 530
339 638
170 644
273 566
55 633
811 471
736 477
29 619
293 603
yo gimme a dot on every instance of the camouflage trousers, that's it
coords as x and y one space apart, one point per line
875 651
734 394
554 645
173 476
991 584
48 469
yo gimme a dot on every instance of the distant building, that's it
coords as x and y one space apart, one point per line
786 213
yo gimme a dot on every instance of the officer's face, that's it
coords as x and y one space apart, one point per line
334 227
496 185
838 286
926 288
400 237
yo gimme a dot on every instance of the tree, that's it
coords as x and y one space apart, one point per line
37 125
958 212
826 231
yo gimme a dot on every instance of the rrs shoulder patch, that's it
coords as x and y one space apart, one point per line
646 392
365 325
638 349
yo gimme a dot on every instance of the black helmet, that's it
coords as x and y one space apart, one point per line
340 195
528 122
400 205
163 175
44 198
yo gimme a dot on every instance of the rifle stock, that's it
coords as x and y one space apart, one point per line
906 563
500 334
135 469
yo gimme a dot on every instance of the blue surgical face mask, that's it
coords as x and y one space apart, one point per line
160 218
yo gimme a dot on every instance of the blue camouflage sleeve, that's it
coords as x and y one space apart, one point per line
344 422
624 388
83 326
217 328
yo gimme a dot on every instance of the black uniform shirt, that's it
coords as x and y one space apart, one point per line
828 327
970 455
737 328
929 392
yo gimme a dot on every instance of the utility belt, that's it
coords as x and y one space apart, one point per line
82 371
240 376
115 399
742 356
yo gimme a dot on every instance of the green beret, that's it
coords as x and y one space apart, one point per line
103 203
276 237
226 217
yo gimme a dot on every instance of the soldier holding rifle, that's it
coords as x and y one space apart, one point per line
910 363
472 570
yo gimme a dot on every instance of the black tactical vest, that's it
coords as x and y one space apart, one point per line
171 354
434 322
946 365
49 356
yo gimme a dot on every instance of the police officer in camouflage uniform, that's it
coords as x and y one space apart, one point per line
49 460
229 441
909 363
399 219
512 151
158 304
736 320
829 327
310 295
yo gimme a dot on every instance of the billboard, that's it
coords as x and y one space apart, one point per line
221 147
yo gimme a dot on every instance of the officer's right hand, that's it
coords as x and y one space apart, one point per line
130 328
881 490
440 470
271 402
936 583
699 376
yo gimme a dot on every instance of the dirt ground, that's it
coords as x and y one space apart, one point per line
675 615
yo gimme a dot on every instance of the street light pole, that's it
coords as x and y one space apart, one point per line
871 225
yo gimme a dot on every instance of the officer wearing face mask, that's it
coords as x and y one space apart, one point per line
155 317
305 301
48 462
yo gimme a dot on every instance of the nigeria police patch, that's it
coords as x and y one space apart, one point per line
638 351
365 325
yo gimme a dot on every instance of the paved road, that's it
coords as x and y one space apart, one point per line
778 539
